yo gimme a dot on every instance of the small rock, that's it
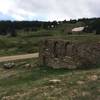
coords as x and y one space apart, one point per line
85 93
28 65
9 65
55 81
80 82
93 77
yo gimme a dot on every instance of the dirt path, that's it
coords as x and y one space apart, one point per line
18 57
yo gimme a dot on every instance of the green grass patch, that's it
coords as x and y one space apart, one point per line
21 83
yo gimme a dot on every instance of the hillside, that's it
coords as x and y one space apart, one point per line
20 37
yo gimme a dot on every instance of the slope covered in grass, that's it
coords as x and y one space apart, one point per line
37 83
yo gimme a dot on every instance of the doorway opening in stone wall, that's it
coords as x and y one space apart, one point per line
44 61
55 49
66 48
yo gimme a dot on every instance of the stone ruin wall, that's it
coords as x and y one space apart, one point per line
67 54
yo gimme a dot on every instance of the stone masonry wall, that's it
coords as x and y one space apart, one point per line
67 54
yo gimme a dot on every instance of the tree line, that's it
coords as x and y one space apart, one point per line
10 27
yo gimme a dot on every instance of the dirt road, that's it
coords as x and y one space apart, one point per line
19 57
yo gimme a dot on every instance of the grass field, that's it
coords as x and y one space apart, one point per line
25 42
29 44
22 83
38 83
18 45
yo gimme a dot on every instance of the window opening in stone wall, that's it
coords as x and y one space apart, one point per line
65 49
55 49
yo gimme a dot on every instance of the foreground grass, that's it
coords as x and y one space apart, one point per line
22 83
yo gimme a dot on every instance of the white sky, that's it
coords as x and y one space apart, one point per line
48 9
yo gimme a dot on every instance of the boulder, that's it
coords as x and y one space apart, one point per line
9 65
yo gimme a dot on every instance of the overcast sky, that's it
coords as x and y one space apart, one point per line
48 9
